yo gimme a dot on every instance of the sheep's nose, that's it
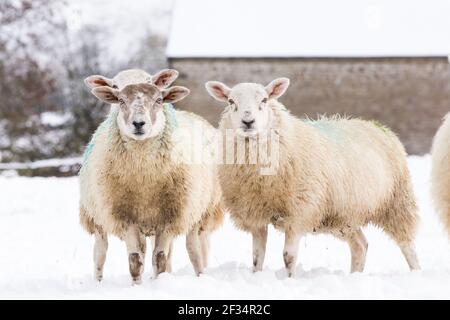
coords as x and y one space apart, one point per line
138 125
248 124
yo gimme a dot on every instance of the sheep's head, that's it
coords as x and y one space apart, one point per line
162 79
249 112
141 113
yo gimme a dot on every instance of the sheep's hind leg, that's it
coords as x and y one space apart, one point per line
100 249
136 247
358 248
259 248
401 226
409 251
404 239
161 253
193 246
204 242
290 252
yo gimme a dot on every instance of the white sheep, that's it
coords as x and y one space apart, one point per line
440 173
161 79
135 183
334 175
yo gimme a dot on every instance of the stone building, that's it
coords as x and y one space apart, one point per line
386 62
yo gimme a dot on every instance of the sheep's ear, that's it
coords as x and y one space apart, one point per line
175 94
106 94
218 90
98 81
165 78
277 88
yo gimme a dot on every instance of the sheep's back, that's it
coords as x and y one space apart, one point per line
440 173
365 164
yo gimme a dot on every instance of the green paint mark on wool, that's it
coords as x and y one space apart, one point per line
381 126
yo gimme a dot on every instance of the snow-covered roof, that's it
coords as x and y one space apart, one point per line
310 28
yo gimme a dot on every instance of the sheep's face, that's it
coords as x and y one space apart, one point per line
162 79
248 104
141 113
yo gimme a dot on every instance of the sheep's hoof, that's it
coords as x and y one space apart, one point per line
290 273
161 262
257 269
136 266
257 266
289 263
136 281
98 275
199 273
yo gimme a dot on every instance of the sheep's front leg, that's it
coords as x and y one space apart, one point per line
193 246
136 247
163 243
100 248
169 258
290 252
259 247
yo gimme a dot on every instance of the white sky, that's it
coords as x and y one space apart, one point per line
284 28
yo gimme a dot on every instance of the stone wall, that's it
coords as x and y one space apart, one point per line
410 95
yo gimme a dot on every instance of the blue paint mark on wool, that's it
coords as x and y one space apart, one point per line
171 116
105 125
327 127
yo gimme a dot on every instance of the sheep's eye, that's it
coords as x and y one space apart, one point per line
115 86
264 100
232 103
159 101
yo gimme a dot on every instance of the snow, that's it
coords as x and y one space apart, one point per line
41 164
125 15
303 28
45 254
125 23
54 119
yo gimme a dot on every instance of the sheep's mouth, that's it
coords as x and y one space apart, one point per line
139 135
248 132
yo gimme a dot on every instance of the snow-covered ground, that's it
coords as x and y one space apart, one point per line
45 254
